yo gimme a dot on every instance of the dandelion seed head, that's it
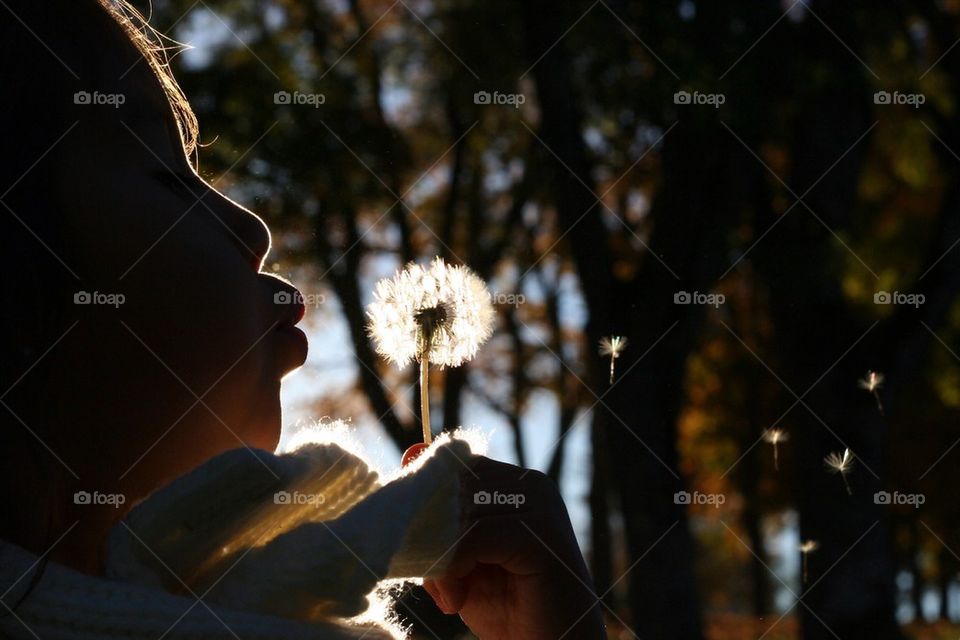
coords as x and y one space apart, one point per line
450 305
612 346
837 463
872 381
808 546
773 436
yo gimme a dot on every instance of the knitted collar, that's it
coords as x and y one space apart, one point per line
254 545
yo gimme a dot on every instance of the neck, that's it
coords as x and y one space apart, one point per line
81 546
74 535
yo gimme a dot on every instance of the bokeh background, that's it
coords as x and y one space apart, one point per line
761 195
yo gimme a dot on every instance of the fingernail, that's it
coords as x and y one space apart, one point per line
442 603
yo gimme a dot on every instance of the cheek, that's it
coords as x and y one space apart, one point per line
195 316
205 307
195 285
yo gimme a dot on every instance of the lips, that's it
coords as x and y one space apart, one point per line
293 347
301 311
293 341
296 311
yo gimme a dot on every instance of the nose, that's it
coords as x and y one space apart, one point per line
248 231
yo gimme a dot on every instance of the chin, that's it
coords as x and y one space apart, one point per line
263 431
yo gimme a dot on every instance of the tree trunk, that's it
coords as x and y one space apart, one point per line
759 577
947 571
639 413
601 552
851 592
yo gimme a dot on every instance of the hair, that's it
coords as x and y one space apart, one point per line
35 43
150 43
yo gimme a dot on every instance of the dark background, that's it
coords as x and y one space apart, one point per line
786 184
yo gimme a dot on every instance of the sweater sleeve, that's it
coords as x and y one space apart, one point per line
307 535
68 605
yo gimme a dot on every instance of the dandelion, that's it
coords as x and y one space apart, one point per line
438 314
613 347
806 548
775 436
872 383
841 464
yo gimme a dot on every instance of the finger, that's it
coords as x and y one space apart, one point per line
431 587
497 488
506 541
453 592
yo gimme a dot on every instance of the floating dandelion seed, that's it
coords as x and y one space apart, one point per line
841 464
438 314
872 383
775 436
806 548
613 347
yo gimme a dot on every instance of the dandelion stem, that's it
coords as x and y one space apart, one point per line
613 347
429 322
806 548
425 399
879 404
846 483
775 436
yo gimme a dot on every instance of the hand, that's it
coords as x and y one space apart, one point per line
517 572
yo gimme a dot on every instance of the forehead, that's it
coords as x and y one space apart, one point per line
119 65
132 113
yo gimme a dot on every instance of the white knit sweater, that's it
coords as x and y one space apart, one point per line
229 550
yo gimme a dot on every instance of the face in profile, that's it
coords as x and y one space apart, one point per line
173 343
